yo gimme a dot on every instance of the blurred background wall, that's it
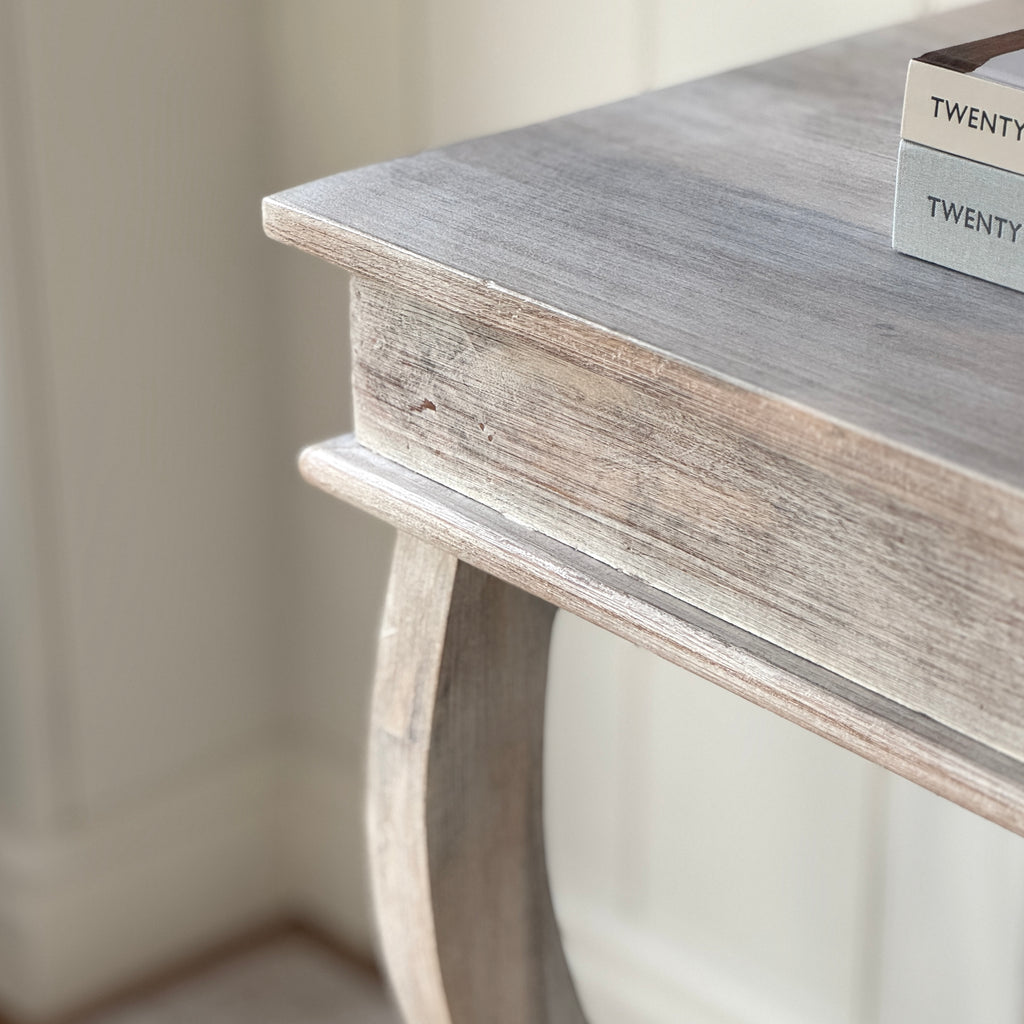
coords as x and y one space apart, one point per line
187 631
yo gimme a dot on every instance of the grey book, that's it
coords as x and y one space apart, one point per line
961 214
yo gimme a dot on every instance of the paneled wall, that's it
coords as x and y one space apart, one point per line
145 476
187 631
708 856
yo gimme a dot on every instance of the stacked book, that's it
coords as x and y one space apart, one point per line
960 178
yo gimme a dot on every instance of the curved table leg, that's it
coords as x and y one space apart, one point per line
456 839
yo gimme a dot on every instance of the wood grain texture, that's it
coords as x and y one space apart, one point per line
455 809
739 224
652 333
871 563
970 773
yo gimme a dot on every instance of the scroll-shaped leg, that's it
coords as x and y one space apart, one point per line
456 838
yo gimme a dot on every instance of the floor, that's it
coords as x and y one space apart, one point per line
292 979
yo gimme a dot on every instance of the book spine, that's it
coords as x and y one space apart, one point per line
966 115
960 214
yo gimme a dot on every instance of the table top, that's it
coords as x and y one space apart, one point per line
670 338
740 224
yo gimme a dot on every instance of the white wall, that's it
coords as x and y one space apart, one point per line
142 489
708 856
338 94
28 653
188 631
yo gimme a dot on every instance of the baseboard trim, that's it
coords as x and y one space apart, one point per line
211 958
83 913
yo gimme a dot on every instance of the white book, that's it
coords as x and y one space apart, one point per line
969 100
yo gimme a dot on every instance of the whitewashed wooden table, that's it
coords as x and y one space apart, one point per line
656 364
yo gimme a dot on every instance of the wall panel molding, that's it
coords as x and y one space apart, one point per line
36 742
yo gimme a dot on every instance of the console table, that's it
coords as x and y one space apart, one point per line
657 364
